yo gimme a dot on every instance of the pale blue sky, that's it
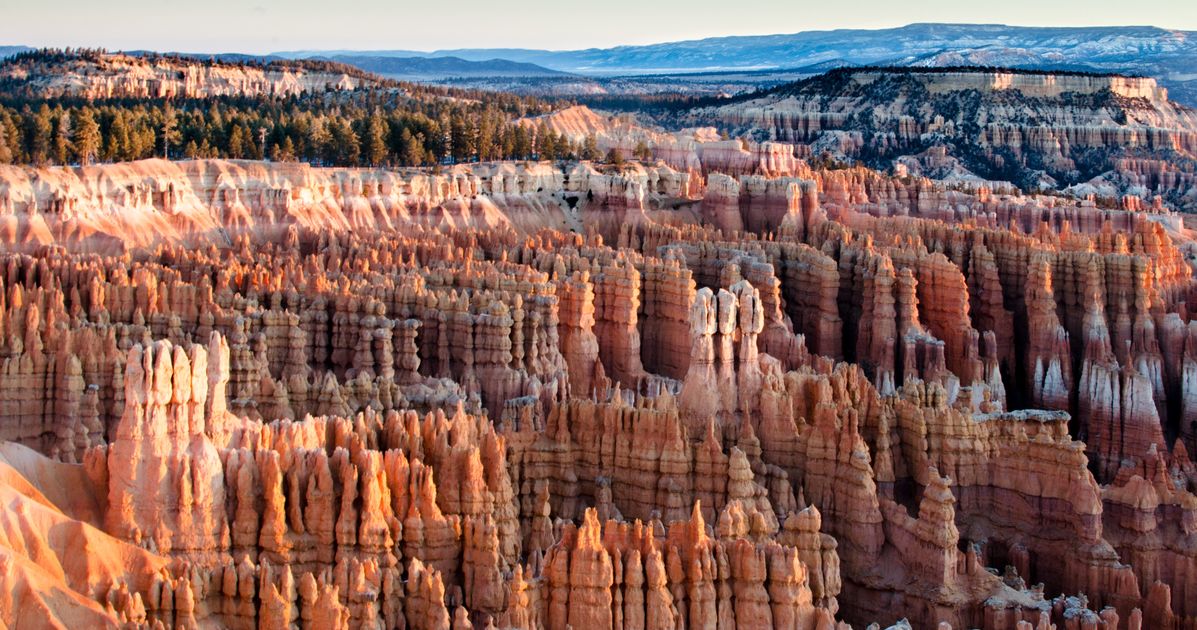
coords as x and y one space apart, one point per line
257 26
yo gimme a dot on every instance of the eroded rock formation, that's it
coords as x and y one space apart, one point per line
256 395
1093 134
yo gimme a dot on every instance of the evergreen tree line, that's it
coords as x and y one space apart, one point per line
368 128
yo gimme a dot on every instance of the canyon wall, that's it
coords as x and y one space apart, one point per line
1101 135
93 76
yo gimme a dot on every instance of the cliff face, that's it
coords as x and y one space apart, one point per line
104 75
1038 130
694 149
137 204
256 395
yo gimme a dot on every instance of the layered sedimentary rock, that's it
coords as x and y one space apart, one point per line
700 149
100 75
522 396
1103 135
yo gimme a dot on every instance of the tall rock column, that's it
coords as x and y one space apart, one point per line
1048 358
590 578
751 323
721 203
166 478
1116 405
699 401
579 345
617 304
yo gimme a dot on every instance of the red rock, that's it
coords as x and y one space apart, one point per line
405 400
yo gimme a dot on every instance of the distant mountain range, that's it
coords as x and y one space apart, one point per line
8 51
415 68
1168 55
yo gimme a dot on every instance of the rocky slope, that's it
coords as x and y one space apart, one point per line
1107 135
698 149
98 75
253 395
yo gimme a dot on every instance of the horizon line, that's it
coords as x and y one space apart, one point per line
436 51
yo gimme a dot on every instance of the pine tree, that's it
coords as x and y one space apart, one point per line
289 150
116 142
38 130
374 144
60 148
169 126
642 152
86 139
438 141
12 135
464 138
506 143
236 147
5 150
284 152
412 149
317 141
546 142
143 141
486 137
522 145
257 143
346 151
590 149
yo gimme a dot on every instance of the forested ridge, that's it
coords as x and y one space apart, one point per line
56 59
393 124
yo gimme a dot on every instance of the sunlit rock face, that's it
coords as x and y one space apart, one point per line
96 75
1103 135
742 393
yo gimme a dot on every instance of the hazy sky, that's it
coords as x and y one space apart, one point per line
258 26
